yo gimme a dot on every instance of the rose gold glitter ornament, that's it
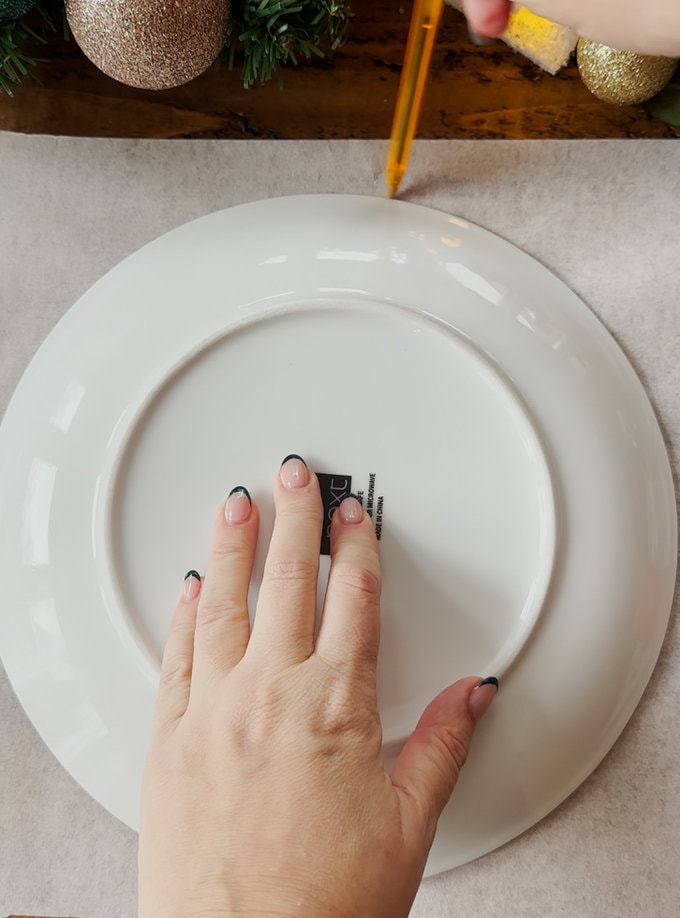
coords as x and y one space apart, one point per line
150 44
622 77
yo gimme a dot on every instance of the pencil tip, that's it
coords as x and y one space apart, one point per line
394 173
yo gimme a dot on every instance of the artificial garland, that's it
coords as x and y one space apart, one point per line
152 44
15 34
261 35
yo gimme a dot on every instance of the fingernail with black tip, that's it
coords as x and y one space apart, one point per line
238 505
294 472
293 456
192 585
482 696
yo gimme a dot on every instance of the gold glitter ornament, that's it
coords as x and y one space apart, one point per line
622 77
150 44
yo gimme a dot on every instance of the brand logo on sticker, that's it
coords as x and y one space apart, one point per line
334 488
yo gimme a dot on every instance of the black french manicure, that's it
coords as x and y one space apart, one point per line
293 456
239 489
192 586
479 702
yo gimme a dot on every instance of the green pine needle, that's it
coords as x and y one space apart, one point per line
667 104
15 62
268 34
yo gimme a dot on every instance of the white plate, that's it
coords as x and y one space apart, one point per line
509 452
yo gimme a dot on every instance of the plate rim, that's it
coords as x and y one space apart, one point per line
346 200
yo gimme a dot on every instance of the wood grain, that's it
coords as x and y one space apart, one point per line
487 92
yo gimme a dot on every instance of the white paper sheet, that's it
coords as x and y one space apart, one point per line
603 215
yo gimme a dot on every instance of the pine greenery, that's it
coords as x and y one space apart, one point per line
15 61
271 33
263 36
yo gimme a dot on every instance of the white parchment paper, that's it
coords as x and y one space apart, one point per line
605 217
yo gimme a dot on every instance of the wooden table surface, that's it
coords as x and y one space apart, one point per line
488 92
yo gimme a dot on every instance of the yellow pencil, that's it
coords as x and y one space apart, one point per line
422 32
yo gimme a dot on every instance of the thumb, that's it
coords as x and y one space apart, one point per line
428 766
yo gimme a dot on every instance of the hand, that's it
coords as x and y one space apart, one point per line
652 27
265 792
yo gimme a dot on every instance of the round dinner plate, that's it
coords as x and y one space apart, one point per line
495 432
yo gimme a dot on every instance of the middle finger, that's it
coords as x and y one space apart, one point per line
286 607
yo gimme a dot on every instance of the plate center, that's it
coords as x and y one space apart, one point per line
422 423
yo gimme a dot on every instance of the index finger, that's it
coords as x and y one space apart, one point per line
487 17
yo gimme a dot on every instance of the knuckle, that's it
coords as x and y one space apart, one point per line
339 718
452 748
343 710
257 718
360 580
300 509
288 573
183 620
436 775
176 670
227 551
217 610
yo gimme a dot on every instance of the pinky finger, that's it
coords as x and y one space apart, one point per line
175 678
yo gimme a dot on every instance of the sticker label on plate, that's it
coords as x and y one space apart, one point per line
334 488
